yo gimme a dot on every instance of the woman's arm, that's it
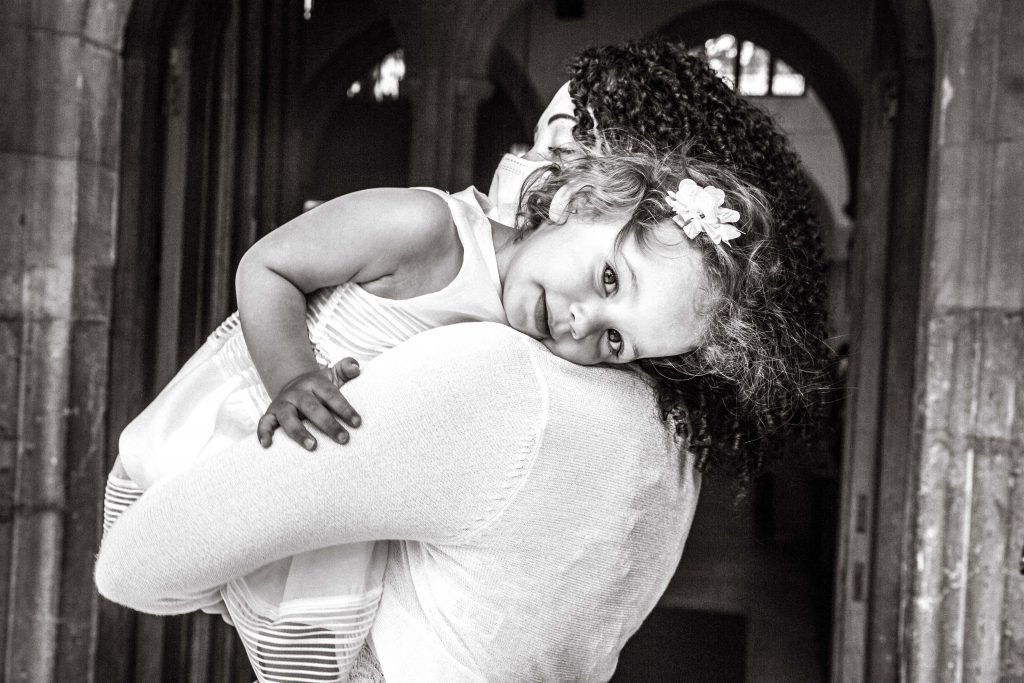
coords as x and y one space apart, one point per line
359 238
447 414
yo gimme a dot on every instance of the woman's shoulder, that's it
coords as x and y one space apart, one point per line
619 384
490 345
471 347
485 357
605 408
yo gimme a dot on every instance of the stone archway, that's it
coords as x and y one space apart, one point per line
824 72
507 74
448 48
347 62
506 117
952 312
885 132
351 144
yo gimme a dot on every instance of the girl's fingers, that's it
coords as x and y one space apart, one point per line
344 370
288 417
349 368
265 429
340 406
314 411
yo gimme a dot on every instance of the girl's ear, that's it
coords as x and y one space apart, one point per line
561 203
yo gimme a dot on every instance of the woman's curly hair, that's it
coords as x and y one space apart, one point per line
655 91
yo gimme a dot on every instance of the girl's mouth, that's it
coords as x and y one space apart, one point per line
540 316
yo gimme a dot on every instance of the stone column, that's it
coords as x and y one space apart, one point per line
445 63
444 109
964 598
430 142
470 93
59 135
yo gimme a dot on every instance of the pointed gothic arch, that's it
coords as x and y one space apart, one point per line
894 144
798 48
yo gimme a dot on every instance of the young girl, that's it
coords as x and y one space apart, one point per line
618 258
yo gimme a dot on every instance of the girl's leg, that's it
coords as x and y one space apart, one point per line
120 493
118 469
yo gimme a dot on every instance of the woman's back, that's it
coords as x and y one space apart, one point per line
543 508
583 530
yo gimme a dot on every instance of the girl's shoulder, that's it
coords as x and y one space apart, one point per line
415 220
359 237
426 252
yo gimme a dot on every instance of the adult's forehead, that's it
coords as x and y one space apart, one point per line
561 103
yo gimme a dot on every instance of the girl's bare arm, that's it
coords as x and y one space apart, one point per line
358 238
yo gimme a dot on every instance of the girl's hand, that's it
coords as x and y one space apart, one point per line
312 396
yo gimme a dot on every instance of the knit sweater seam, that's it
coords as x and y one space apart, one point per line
527 453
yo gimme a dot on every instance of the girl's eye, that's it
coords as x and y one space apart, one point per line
615 342
557 152
609 279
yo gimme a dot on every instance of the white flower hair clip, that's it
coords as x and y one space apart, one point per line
699 209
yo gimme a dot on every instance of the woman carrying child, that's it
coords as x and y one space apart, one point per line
607 227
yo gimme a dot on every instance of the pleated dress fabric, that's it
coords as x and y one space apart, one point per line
303 618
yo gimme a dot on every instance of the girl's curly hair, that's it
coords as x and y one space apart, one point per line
738 342
653 90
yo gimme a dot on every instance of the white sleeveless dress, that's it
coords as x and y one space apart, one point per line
306 617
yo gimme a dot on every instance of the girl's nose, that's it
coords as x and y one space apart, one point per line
582 321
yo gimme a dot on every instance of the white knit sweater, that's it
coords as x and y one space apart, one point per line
540 510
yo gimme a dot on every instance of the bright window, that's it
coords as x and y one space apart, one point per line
382 81
753 67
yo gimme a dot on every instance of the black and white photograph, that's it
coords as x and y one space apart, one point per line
511 341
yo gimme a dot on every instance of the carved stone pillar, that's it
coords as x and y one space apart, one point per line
59 157
964 600
429 143
445 63
471 92
444 109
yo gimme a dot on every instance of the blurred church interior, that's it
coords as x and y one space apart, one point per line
147 143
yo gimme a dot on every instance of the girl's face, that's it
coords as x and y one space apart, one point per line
588 302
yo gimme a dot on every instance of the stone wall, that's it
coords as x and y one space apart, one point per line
965 598
59 146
